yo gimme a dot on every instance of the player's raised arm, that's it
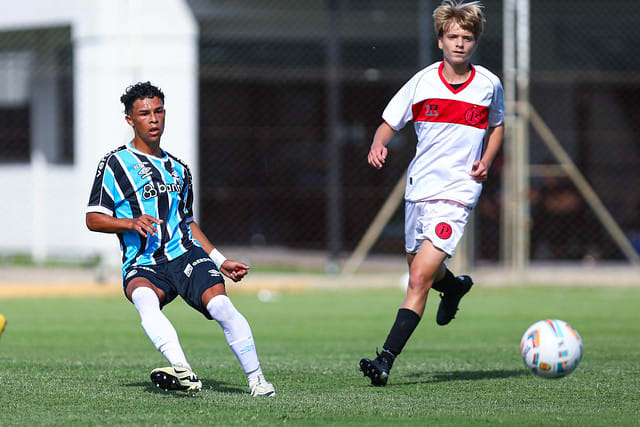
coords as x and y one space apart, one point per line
144 225
378 152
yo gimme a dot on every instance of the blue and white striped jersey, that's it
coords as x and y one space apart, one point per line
130 183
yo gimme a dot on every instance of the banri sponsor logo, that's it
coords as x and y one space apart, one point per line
151 190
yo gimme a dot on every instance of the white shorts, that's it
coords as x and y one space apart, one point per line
441 222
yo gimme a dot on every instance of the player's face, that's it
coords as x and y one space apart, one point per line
147 119
457 45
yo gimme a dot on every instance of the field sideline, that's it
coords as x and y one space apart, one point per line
86 361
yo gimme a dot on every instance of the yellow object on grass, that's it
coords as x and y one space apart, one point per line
3 323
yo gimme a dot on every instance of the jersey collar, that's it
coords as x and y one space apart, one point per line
461 88
135 150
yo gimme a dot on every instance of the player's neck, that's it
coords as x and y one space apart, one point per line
152 148
456 73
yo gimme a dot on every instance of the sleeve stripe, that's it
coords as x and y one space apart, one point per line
99 209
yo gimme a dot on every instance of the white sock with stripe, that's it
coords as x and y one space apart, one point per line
238 335
157 327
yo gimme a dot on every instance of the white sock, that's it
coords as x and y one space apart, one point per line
238 335
157 327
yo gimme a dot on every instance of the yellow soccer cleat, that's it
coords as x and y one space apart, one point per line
176 378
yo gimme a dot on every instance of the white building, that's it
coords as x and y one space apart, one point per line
115 43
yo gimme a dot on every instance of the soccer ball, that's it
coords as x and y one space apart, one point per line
551 348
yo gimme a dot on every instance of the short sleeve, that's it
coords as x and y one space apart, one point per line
102 199
496 110
399 110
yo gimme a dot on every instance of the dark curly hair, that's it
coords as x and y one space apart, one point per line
138 91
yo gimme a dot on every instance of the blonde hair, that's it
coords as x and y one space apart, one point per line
468 15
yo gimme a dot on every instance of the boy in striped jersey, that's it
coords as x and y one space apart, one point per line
457 111
144 195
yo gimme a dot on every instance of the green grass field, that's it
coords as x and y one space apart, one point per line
86 361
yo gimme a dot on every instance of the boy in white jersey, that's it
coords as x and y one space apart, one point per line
144 195
457 110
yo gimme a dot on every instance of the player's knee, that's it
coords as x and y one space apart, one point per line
221 308
420 282
143 296
145 300
143 283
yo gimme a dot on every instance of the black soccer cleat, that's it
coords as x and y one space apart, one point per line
376 369
450 300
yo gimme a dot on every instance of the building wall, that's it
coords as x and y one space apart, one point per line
115 44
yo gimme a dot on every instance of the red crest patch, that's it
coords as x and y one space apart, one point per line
472 116
443 230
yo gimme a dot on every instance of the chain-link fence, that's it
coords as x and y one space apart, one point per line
264 94
291 92
585 85
265 109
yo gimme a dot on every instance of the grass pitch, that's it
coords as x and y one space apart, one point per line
86 361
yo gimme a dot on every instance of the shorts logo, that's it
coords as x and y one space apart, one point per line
200 261
187 270
131 274
443 230
472 116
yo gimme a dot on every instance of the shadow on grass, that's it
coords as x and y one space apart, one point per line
222 387
218 386
438 377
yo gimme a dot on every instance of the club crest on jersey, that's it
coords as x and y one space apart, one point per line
473 115
443 230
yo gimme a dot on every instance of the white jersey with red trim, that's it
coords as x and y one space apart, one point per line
451 125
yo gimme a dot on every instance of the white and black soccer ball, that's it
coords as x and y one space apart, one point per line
551 348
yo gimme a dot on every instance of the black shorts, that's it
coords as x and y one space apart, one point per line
189 276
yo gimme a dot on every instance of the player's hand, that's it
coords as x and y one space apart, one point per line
145 225
234 270
479 171
377 155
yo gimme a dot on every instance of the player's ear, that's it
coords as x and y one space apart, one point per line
129 120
